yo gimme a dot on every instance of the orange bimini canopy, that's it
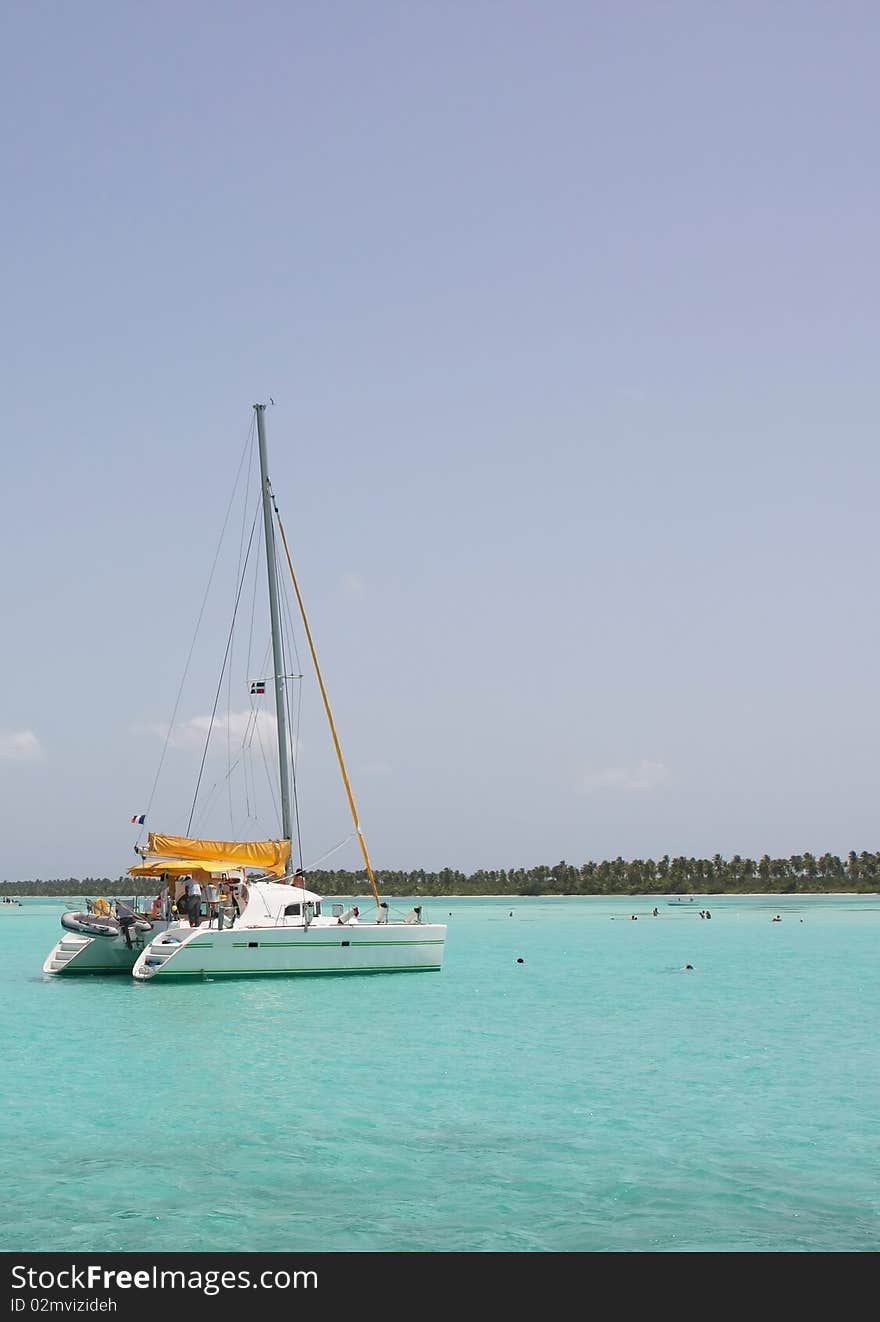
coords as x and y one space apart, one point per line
202 870
179 855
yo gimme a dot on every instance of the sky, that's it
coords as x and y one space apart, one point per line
569 312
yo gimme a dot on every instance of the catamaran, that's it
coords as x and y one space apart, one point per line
260 917
254 915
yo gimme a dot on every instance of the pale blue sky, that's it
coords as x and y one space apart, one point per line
570 314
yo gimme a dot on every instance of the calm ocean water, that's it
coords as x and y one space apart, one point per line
593 1098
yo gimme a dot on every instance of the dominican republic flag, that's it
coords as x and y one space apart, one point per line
258 686
140 820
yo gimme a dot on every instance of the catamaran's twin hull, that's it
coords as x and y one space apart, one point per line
83 954
243 952
77 953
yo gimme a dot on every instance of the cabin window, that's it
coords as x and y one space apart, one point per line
292 911
318 910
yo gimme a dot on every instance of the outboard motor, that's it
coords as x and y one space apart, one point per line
126 923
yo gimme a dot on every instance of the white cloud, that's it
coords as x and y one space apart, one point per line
242 727
19 746
644 776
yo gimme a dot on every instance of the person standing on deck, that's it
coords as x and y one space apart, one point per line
194 901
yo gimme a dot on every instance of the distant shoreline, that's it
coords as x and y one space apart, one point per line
666 898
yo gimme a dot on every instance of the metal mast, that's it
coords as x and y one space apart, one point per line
277 655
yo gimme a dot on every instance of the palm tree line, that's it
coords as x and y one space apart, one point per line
806 873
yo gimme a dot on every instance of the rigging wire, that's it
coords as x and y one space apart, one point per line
248 449
335 850
252 732
209 799
269 780
246 757
255 726
239 573
249 771
219 686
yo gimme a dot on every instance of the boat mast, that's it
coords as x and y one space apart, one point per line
277 655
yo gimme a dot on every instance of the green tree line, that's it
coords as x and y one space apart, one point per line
618 876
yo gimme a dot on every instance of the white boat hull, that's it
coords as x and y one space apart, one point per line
245 952
76 953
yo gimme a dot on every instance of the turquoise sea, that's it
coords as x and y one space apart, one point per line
595 1097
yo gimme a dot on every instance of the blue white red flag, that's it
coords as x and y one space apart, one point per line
140 820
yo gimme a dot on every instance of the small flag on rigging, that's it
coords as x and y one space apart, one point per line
139 820
258 686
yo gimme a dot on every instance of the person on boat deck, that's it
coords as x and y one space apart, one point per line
194 900
299 878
